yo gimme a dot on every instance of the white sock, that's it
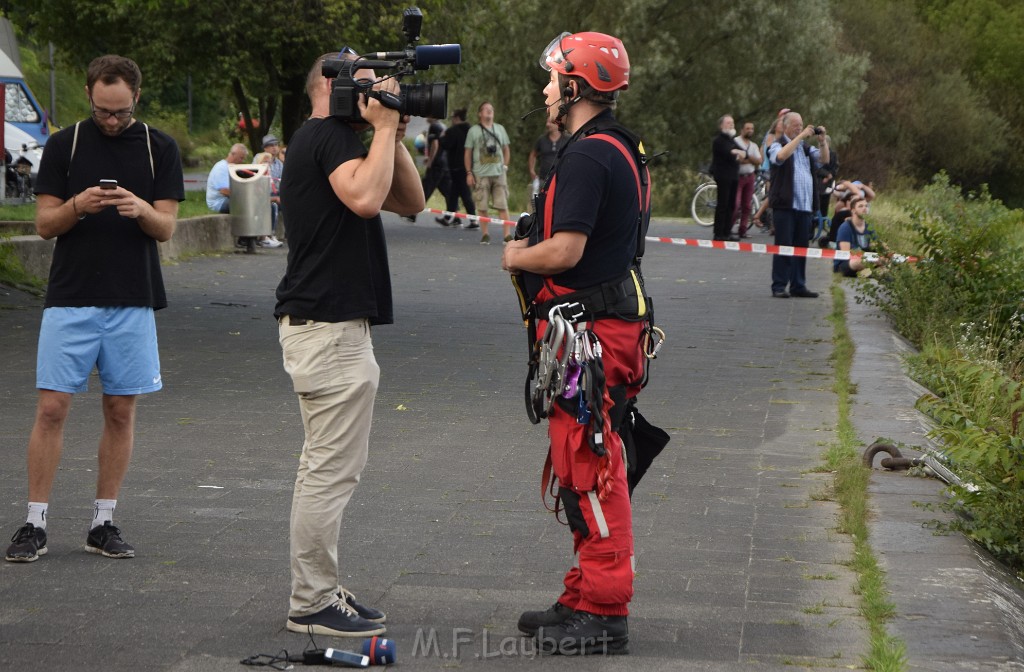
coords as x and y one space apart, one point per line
103 512
37 514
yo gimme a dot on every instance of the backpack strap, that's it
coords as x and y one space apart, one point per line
74 146
149 148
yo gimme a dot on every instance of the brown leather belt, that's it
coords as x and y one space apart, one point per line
298 321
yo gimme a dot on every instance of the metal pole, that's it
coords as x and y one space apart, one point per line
53 88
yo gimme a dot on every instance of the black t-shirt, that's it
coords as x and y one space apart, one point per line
838 218
547 152
106 259
337 262
596 194
434 133
453 142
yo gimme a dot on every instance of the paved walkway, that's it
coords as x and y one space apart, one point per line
738 562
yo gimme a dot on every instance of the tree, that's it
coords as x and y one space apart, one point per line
921 112
691 63
258 53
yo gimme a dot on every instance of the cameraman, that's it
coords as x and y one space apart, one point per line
335 287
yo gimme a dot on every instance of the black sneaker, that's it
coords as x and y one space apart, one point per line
530 621
29 544
338 620
471 225
106 540
585 633
369 613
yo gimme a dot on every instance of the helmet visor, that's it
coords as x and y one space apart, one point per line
552 54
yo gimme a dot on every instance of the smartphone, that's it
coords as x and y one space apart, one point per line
108 184
346 658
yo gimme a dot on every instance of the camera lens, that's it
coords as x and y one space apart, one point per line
425 100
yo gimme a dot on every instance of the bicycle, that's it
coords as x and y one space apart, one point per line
705 199
820 225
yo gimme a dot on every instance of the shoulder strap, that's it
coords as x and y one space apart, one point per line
149 147
74 146
491 133
642 177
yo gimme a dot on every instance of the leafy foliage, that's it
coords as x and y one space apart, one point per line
971 268
978 425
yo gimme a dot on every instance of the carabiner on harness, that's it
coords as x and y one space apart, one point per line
553 358
653 339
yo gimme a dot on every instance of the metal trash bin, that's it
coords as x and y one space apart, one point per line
250 200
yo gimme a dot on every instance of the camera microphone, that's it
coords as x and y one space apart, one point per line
422 57
438 54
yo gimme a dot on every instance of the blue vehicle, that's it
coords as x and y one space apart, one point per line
21 108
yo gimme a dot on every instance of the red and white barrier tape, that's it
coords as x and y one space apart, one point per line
755 248
478 218
784 250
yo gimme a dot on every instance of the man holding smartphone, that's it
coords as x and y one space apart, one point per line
108 190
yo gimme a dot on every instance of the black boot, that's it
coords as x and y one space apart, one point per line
529 621
585 633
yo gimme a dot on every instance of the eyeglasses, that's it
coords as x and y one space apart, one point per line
102 114
347 51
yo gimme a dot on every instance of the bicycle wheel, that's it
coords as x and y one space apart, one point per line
819 232
704 202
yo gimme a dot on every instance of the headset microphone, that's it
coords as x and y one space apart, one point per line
535 110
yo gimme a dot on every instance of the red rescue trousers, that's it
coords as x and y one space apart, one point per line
601 580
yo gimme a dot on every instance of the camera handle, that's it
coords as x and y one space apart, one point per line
387 99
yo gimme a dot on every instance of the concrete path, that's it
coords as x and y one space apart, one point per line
738 562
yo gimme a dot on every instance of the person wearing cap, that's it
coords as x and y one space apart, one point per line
270 241
586 236
272 146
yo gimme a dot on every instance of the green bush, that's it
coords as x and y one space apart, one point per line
961 305
978 423
971 267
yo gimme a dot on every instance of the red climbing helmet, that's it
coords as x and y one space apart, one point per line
599 59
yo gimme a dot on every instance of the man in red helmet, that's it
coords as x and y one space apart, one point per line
583 247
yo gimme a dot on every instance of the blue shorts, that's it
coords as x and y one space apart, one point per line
120 342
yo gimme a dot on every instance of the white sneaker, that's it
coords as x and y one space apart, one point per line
270 242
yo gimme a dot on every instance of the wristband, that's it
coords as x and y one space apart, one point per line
74 206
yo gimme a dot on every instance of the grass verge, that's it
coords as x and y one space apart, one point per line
887 653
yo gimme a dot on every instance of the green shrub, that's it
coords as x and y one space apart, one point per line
978 424
961 305
970 269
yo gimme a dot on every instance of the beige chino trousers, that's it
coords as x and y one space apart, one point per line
335 374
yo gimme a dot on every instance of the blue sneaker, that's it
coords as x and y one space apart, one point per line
29 544
338 620
369 613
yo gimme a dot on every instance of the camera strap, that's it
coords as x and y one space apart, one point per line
491 133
